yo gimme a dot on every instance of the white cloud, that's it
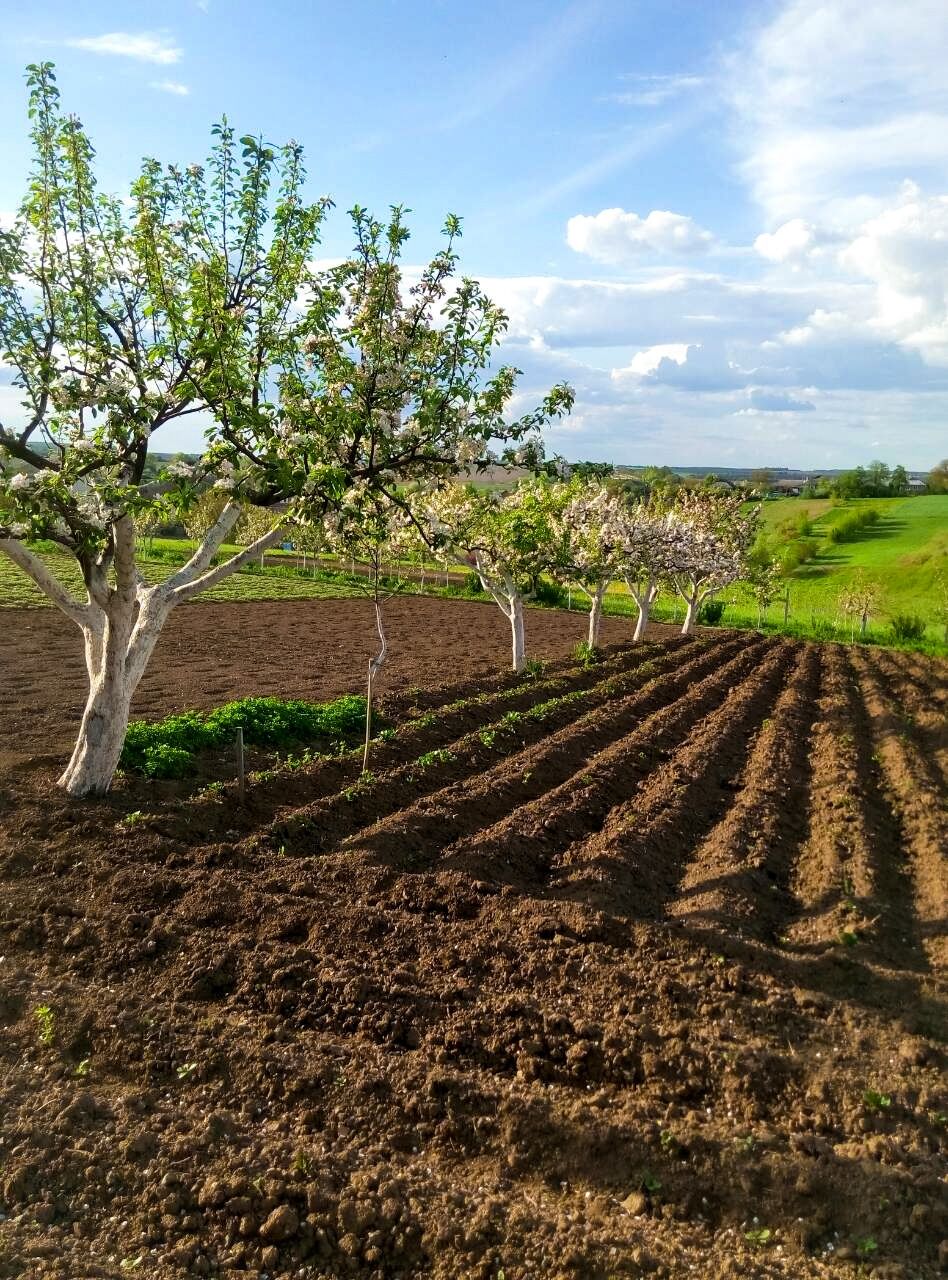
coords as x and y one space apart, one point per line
904 251
837 100
615 236
792 242
647 361
653 90
145 46
171 86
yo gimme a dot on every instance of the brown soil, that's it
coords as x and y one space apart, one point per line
630 971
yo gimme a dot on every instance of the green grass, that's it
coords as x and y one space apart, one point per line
17 591
774 513
901 555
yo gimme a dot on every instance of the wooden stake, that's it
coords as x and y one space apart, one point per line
241 777
786 607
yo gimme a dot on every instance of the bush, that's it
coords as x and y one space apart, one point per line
711 613
472 584
848 526
550 594
166 748
908 627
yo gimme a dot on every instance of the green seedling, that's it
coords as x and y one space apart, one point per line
866 1247
758 1236
875 1101
186 1070
46 1021
82 1068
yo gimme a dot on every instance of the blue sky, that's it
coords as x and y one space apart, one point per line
726 224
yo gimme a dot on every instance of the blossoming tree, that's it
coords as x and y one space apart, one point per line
198 297
652 550
506 539
715 533
590 524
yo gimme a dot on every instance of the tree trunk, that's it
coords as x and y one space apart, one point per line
595 616
375 666
691 614
517 634
643 600
119 643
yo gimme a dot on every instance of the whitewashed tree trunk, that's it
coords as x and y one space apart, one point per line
595 614
509 600
121 622
517 633
118 647
643 600
691 614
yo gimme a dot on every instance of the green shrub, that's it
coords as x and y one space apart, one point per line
551 594
711 613
472 584
908 626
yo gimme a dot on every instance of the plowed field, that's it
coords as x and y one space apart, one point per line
634 970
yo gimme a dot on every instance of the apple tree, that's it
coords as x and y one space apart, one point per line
198 296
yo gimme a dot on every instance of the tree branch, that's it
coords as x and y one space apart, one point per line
206 551
47 582
190 589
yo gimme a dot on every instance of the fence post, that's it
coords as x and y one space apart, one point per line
241 776
786 607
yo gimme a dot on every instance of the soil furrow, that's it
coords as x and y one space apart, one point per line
848 881
739 878
418 833
527 841
920 806
633 863
921 707
281 797
912 672
455 755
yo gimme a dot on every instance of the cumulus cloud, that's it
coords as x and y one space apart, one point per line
145 46
170 86
792 242
614 236
697 367
904 251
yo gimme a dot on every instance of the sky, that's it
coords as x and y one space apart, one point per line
724 223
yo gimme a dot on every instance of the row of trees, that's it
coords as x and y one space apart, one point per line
578 532
877 480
